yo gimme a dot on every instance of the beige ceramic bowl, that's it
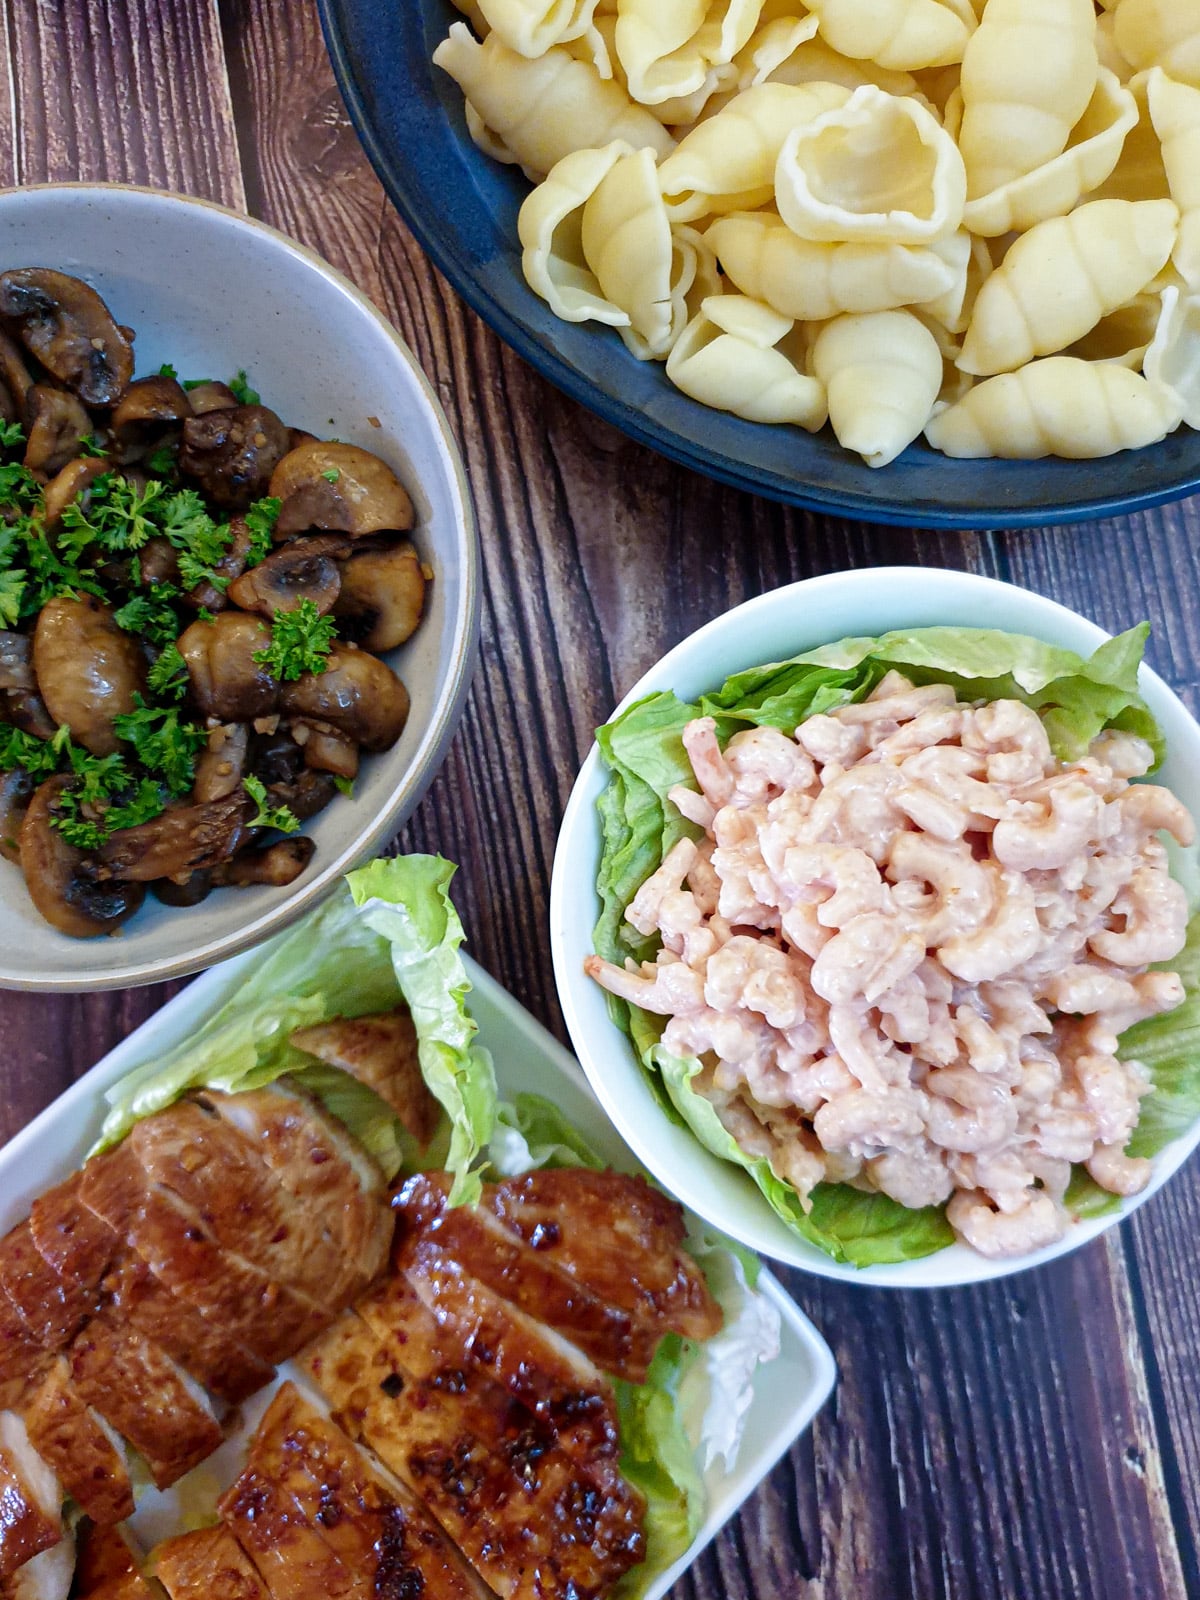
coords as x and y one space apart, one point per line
213 292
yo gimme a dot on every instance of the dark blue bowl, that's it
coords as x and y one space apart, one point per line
463 209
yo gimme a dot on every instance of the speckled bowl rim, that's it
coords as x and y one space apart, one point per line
450 700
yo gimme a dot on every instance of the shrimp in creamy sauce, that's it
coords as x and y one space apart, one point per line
906 946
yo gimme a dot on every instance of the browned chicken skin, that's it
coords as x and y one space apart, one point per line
73 1442
207 1565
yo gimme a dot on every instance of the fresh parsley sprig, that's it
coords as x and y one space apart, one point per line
282 818
300 642
162 743
260 523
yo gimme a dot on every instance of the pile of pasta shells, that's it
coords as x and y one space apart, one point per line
976 221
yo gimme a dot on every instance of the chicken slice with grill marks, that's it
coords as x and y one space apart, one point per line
30 1499
269 1319
466 1325
81 1248
381 1051
145 1396
376 1530
212 1168
518 1271
78 1445
617 1234
530 1519
208 1564
52 1308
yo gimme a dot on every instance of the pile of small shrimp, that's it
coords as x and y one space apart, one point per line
905 946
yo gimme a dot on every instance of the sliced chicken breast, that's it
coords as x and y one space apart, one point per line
381 1051
52 1308
47 1577
78 1445
30 1499
207 1565
292 1559
22 1359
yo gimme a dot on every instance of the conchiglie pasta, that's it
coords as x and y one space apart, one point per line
898 34
668 51
814 281
1028 73
882 373
814 62
1060 406
543 110
1139 173
1173 358
1163 33
531 27
550 227
1061 277
727 358
1123 335
728 163
1175 113
627 243
879 169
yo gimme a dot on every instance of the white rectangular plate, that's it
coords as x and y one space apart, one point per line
788 1391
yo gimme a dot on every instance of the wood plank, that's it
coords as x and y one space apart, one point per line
130 93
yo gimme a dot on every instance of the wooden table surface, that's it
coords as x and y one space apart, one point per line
1034 1440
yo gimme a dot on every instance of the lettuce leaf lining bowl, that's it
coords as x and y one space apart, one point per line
723 661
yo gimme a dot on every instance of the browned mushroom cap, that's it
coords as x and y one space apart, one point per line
357 694
220 769
67 326
211 396
16 661
197 886
16 379
340 488
383 595
153 402
88 670
303 569
16 791
278 865
26 710
159 561
182 840
227 682
232 454
326 749
56 876
64 489
55 423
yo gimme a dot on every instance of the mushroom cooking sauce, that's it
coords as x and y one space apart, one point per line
194 602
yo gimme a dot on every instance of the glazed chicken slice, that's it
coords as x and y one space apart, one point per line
465 1324
83 1250
48 1576
377 1531
518 1271
30 1499
380 1050
145 1396
213 1169
617 1234
22 1359
318 1164
109 1567
292 1559
172 1240
207 1565
77 1444
531 1520
52 1308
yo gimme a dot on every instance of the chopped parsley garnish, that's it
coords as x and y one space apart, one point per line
260 521
39 757
281 817
11 435
243 393
119 515
200 541
162 743
344 785
12 592
168 677
90 445
300 642
168 371
331 474
151 614
160 463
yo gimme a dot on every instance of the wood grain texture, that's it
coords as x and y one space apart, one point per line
1035 1437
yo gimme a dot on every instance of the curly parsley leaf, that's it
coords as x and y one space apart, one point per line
162 743
49 574
90 445
151 615
18 487
168 371
119 516
260 521
200 541
160 463
12 592
281 817
300 642
242 392
11 435
344 784
39 757
168 677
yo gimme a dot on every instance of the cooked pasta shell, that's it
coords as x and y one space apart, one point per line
627 243
1060 406
1163 33
728 162
1139 173
1061 277
1028 73
1173 359
470 10
541 111
900 34
1175 113
815 281
1092 153
1107 50
531 27
815 62
550 227
1124 335
879 169
727 357
772 43
668 51
882 373
971 261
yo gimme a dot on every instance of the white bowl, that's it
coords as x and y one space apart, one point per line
772 628
212 292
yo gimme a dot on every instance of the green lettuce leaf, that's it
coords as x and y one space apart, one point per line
643 750
391 935
1168 1047
531 1133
